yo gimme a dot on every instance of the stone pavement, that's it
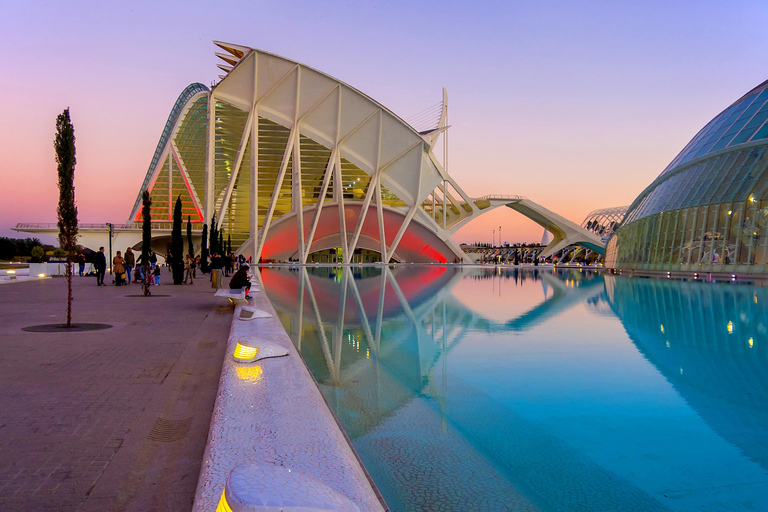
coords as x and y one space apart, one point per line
107 420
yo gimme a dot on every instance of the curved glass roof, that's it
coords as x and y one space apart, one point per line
742 122
187 94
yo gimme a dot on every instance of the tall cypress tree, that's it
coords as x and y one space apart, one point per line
222 247
177 245
229 244
64 144
189 237
146 240
213 235
204 250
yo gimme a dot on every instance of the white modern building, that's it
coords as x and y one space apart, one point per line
297 165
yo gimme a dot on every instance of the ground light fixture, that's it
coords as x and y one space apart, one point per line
252 487
244 353
249 349
11 274
41 276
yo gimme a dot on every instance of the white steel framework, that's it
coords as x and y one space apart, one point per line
292 161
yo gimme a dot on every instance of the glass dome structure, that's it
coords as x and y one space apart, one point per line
604 221
708 210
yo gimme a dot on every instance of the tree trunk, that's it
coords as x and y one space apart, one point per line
69 291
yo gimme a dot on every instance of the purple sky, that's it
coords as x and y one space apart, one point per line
575 105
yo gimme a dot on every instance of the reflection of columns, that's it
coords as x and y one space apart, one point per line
380 313
300 308
321 331
363 316
443 404
339 328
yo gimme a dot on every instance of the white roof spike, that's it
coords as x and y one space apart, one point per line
235 49
444 113
228 58
431 136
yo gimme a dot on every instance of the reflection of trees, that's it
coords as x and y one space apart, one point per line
710 342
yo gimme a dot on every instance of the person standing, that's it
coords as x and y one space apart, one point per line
153 260
140 268
189 268
118 268
81 263
194 266
156 273
100 265
130 262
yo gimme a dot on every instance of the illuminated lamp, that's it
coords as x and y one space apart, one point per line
41 276
11 274
248 350
244 353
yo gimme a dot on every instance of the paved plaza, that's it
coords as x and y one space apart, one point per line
107 420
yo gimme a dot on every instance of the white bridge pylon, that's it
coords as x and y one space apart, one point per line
564 232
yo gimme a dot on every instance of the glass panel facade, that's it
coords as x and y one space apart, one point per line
740 123
711 217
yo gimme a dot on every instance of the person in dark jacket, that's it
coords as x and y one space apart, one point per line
81 263
216 262
130 261
240 279
100 265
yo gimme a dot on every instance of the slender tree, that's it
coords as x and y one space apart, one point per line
177 245
204 250
222 247
229 244
64 144
213 235
189 237
146 240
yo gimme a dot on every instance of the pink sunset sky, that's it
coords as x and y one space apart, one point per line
576 105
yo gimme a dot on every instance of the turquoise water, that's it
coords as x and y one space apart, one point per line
501 389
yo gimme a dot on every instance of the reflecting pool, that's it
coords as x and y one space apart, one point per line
520 389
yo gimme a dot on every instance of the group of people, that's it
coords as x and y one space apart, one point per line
122 267
229 263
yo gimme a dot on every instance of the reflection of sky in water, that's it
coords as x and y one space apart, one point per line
539 391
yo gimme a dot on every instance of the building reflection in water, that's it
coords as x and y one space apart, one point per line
338 317
710 341
379 340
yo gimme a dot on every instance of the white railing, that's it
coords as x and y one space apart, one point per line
53 225
103 227
503 196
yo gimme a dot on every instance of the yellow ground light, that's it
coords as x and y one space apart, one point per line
245 352
223 505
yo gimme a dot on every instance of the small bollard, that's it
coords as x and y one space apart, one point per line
216 278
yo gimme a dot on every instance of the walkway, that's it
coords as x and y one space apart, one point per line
107 420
